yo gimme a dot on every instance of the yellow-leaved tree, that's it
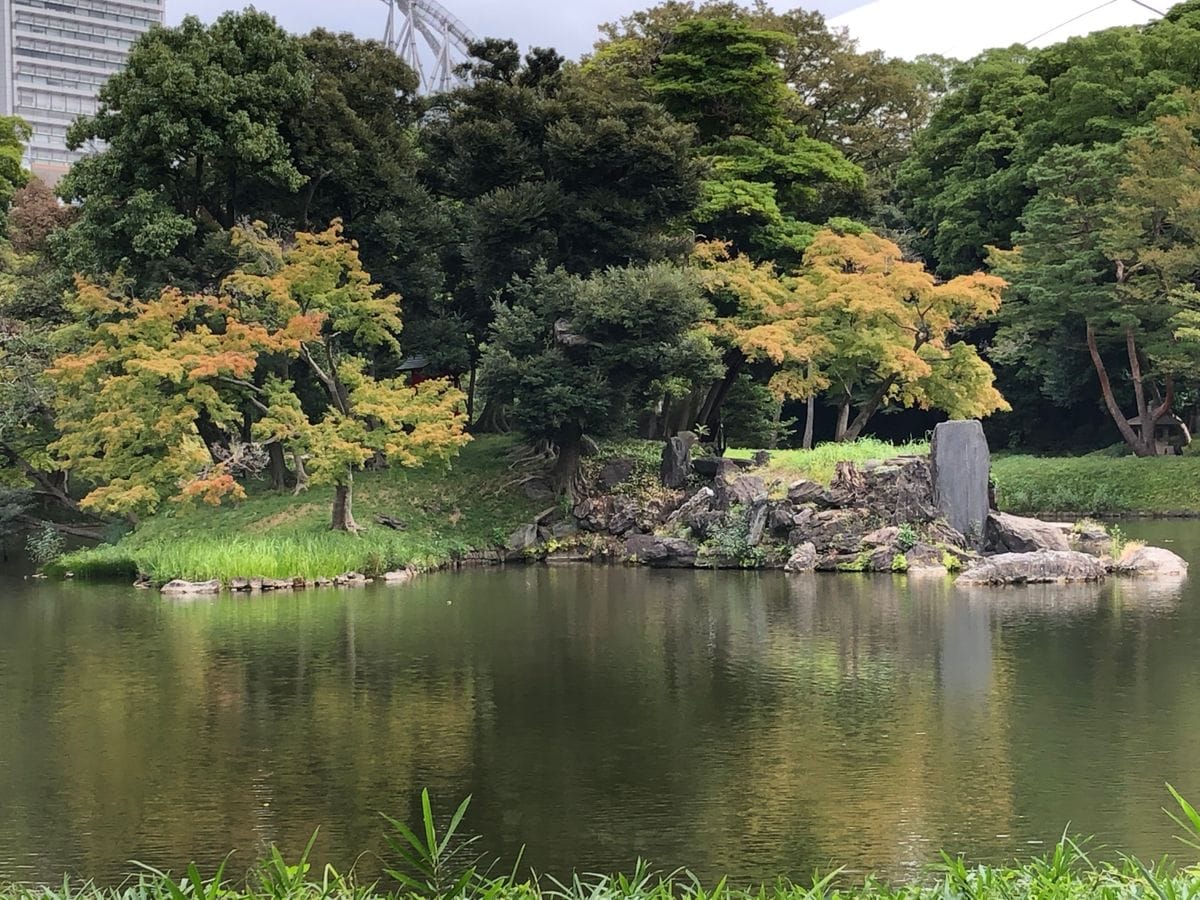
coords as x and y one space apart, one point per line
891 327
152 385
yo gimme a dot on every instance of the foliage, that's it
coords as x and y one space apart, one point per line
730 539
891 328
899 563
14 135
906 537
46 544
432 865
175 366
574 355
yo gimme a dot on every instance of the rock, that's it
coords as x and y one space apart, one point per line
180 588
653 550
803 559
1091 538
719 466
883 559
757 522
241 585
400 576
524 538
1039 567
351 579
1151 562
782 518
280 584
592 514
624 517
323 582
616 471
568 528
744 490
762 459
961 465
699 502
677 460
881 537
925 557
802 492
839 530
1017 534
899 491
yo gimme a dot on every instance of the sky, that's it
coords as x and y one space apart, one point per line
906 28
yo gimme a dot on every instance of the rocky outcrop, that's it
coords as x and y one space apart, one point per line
740 490
1151 562
653 550
1016 534
180 588
677 460
1039 567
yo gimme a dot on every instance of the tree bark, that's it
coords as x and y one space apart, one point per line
471 393
301 474
843 419
808 421
277 466
565 474
1114 410
867 410
776 424
492 419
343 503
710 413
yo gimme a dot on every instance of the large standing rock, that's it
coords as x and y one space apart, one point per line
653 550
1043 566
744 490
961 465
180 588
1017 534
803 559
677 459
1151 562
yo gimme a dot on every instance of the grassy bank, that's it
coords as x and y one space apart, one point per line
1098 485
473 505
819 463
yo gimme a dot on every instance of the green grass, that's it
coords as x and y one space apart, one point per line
474 505
819 463
1098 485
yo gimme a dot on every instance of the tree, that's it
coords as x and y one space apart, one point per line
151 381
890 326
576 356
14 135
194 131
535 163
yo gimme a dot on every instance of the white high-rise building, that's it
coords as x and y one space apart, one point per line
54 57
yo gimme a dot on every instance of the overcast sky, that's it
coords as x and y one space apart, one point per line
901 27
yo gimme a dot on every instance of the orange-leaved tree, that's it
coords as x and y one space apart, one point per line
891 327
150 382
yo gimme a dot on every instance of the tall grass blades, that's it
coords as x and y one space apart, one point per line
433 865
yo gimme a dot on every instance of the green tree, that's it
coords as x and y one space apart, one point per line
577 356
14 134
535 163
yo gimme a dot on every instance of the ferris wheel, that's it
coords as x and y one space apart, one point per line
431 39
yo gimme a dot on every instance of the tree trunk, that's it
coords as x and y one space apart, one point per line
808 422
301 474
343 512
566 475
492 420
843 419
1114 410
277 466
471 393
776 424
868 409
709 417
1147 422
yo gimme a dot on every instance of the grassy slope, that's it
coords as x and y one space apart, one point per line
275 535
1098 485
818 464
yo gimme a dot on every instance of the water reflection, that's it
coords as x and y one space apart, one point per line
742 723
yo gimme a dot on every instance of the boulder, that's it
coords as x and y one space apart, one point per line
839 530
351 579
654 550
803 559
1017 534
762 459
624 517
925 557
615 472
1039 567
677 460
1091 538
744 490
400 576
757 522
180 588
592 514
900 490
881 537
782 518
719 466
694 512
961 466
245 585
277 584
803 492
524 538
1151 562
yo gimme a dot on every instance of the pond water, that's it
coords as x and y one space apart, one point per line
750 724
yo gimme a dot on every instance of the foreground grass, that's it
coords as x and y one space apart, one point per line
819 463
473 505
1097 485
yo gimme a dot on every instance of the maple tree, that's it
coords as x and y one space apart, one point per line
891 330
151 381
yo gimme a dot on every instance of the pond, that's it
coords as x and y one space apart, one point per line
749 724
